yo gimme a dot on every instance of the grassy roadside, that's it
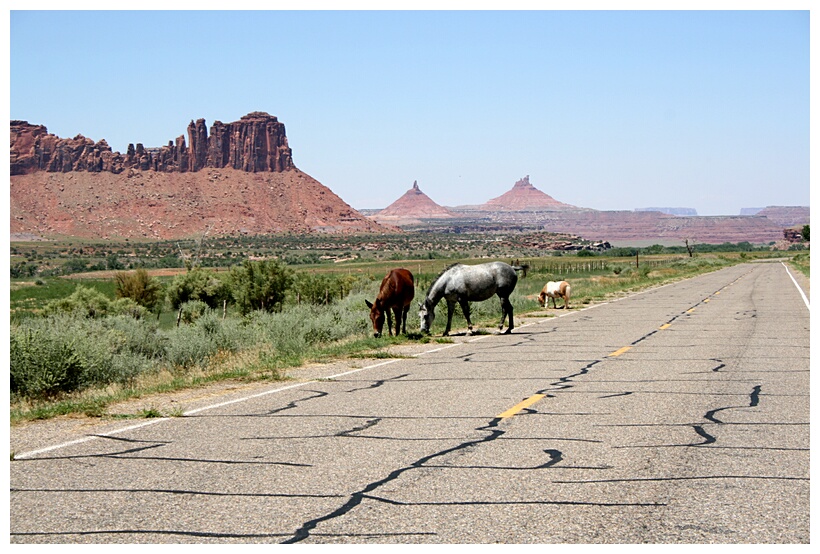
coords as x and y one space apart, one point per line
802 262
262 360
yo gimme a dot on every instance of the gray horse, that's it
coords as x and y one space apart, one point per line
470 283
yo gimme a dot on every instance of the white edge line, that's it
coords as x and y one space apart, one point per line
197 410
805 300
88 438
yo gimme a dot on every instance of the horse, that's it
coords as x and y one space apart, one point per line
555 289
465 283
395 294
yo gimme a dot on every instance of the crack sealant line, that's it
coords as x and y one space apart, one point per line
805 300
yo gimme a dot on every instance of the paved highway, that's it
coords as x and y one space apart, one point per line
676 415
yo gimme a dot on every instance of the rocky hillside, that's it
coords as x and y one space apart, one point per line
240 178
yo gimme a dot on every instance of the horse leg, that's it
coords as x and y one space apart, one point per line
389 321
506 308
404 319
397 313
465 309
451 307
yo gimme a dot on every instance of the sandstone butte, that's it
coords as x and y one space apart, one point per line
524 196
239 178
412 207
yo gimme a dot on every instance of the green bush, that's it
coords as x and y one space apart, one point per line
260 285
139 287
198 284
188 346
192 310
42 365
85 300
69 351
90 302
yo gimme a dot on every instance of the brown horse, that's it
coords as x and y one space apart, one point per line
395 294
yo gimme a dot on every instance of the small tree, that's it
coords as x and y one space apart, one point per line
805 233
198 284
139 287
689 247
260 285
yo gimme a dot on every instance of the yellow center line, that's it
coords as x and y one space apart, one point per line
706 300
666 326
620 351
520 406
689 311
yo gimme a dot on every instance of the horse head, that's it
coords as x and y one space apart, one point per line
426 315
376 317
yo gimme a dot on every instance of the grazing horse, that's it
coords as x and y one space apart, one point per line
395 294
555 289
465 283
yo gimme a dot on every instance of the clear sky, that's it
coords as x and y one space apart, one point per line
611 110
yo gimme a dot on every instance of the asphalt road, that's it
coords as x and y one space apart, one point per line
676 415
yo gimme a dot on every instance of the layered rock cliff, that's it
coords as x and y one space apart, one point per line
257 142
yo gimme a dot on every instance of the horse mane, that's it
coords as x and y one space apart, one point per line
434 281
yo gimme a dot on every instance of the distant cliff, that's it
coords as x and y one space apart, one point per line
683 212
257 142
239 178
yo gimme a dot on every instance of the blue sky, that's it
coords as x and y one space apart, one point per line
611 110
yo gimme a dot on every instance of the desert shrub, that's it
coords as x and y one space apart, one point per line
326 288
227 334
260 285
126 306
69 351
188 346
294 331
192 310
139 287
139 337
42 365
84 300
191 345
198 284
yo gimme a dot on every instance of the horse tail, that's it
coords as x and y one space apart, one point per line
523 268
